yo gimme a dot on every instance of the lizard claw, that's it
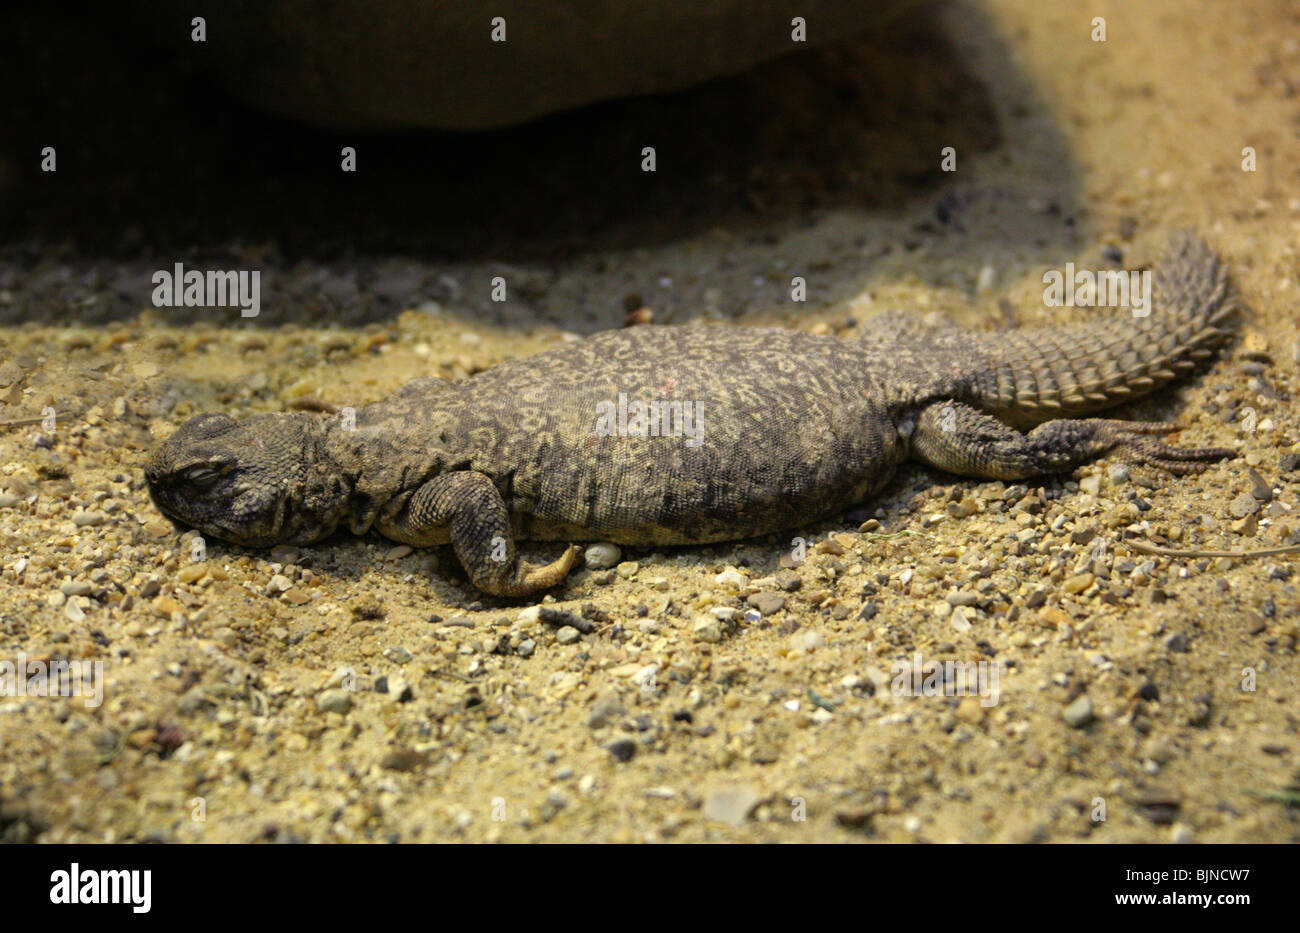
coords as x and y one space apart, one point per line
1132 447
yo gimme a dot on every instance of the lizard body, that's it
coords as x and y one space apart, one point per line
772 429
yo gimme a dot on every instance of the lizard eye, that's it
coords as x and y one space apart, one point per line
202 475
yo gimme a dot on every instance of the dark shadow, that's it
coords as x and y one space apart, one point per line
157 165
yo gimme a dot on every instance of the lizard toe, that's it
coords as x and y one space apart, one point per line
1180 461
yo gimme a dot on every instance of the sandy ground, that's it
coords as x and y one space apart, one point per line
356 691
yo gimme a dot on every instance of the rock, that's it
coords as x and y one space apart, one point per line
970 711
767 603
529 615
627 569
1245 504
960 619
1260 488
1079 713
1178 643
623 750
399 689
567 635
1078 583
707 629
156 529
605 710
731 578
788 580
731 804
403 759
10 372
295 597
439 64
1053 617
192 573
334 701
602 556
1159 806
84 519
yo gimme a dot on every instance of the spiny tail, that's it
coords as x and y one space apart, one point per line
1043 373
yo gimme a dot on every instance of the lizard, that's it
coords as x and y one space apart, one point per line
786 428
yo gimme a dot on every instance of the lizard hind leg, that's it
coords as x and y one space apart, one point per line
475 515
960 439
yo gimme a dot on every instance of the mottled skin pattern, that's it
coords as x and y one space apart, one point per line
792 427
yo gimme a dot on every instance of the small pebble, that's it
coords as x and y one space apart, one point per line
567 635
602 556
767 603
1245 504
1079 713
731 804
788 580
731 578
960 621
334 701
707 629
623 750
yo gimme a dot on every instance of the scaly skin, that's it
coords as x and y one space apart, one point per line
791 428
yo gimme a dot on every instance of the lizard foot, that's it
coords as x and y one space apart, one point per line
1133 446
549 575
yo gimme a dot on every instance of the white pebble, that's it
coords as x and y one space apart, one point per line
602 555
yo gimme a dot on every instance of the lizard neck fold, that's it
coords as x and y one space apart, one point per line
377 461
322 496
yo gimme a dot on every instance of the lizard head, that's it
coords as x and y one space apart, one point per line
256 482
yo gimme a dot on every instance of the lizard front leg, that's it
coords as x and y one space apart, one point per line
961 439
468 505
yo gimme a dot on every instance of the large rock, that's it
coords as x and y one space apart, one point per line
432 63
